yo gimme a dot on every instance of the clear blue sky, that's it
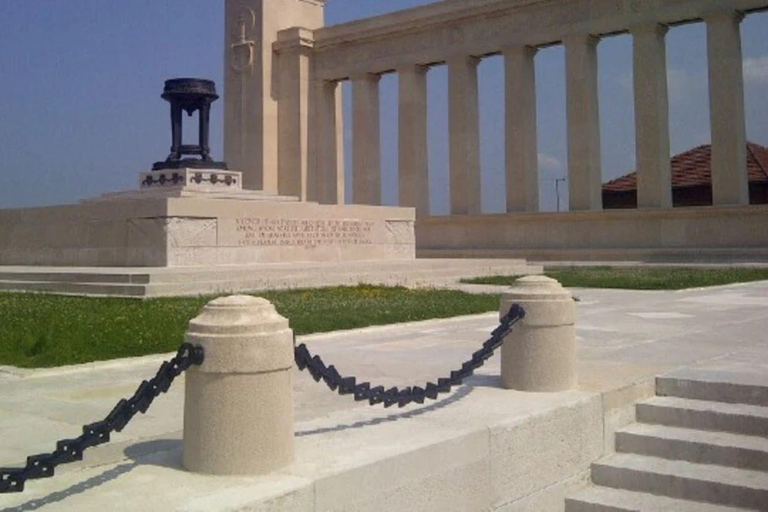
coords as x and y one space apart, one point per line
80 112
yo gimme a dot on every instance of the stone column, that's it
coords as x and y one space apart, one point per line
730 182
583 114
464 136
654 185
294 51
540 352
250 83
326 176
238 406
366 140
521 143
413 155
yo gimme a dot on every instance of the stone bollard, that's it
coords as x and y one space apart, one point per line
540 353
238 409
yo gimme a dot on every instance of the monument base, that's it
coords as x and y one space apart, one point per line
193 218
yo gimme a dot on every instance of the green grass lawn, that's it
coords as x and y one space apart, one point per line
640 278
38 330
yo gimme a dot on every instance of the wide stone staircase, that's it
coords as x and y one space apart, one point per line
193 281
700 445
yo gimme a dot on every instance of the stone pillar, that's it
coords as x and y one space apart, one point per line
540 352
521 143
730 182
413 154
584 168
366 140
238 408
250 82
326 176
464 136
654 185
294 51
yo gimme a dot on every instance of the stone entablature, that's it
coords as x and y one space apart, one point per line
431 33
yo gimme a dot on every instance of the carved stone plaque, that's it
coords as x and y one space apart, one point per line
257 231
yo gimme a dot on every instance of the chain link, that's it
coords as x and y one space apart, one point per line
402 397
70 450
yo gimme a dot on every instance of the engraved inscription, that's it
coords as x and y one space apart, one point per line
302 232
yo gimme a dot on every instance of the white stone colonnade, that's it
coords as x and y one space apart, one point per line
293 83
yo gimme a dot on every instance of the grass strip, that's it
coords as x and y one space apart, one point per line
640 278
41 330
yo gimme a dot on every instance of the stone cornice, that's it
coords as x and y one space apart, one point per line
421 19
418 18
295 38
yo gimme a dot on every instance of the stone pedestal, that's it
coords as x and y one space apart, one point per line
202 217
238 409
540 352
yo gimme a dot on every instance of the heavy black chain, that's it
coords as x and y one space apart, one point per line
402 397
70 450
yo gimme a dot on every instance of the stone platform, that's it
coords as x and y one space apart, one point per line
162 282
198 217
479 448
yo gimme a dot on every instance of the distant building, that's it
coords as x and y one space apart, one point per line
692 180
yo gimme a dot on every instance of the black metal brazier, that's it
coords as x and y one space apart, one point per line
189 95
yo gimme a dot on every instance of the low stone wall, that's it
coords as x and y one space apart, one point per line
180 232
733 233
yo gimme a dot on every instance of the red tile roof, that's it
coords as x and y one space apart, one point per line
694 168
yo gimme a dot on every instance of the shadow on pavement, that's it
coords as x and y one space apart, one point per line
460 394
78 488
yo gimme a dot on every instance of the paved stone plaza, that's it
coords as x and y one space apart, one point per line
354 457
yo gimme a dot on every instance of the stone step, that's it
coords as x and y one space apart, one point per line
683 480
155 282
717 385
75 277
751 420
135 275
605 499
403 271
69 288
699 446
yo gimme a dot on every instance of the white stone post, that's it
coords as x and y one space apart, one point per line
326 174
295 49
583 116
366 140
412 152
730 181
464 136
540 352
238 409
521 142
654 185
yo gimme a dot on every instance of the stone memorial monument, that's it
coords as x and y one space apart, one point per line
195 212
190 212
194 225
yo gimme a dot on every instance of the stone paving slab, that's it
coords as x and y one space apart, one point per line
354 454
